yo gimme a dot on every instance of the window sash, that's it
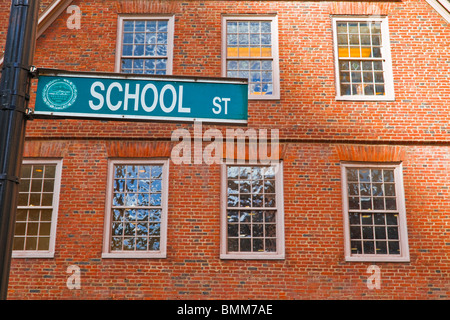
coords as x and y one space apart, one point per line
48 224
126 208
168 57
259 85
383 243
277 226
370 83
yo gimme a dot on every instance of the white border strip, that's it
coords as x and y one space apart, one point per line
441 7
93 116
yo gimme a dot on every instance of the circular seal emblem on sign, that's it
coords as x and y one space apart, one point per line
59 94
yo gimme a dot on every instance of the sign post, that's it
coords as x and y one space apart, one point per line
14 97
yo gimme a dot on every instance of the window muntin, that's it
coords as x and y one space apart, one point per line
363 62
34 234
374 213
253 213
251 51
137 209
146 45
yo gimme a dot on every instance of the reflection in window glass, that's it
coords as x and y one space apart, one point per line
145 46
136 207
361 60
249 52
372 211
251 209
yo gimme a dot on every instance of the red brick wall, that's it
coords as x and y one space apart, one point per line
316 133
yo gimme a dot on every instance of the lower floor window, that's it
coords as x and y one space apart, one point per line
374 212
37 211
136 213
252 216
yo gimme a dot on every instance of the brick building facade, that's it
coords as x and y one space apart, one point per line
359 92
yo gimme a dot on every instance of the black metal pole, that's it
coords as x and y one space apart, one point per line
14 97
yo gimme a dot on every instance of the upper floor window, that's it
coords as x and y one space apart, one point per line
136 210
250 50
145 45
363 59
37 210
374 213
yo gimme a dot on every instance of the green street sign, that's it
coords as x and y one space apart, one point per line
140 97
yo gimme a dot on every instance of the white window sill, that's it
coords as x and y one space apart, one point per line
246 256
368 258
33 254
365 98
134 255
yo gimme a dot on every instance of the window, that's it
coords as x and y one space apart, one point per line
136 210
363 59
145 45
374 213
250 50
37 211
252 213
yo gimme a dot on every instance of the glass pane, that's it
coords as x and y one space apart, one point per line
369 247
18 243
257 200
244 186
356 247
233 186
245 245
258 245
355 232
271 245
257 186
380 233
269 200
367 232
141 243
342 27
364 175
265 27
233 230
354 218
352 174
270 230
391 204
389 189
379 219
35 199
243 26
154 243
353 202
20 229
31 243
365 189
233 244
366 203
381 247
394 247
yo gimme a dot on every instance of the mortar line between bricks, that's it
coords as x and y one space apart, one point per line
286 141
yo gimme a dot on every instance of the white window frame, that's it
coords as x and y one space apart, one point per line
50 253
400 200
385 54
170 38
162 253
279 198
275 51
